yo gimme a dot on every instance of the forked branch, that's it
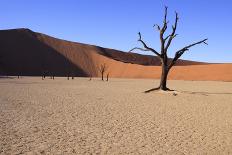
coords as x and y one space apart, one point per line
165 22
181 51
146 48
162 31
102 69
173 34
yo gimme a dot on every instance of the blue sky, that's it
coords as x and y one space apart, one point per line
115 23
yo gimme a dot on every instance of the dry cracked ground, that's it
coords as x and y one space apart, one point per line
94 117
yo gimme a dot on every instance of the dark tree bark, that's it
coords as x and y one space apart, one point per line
163 79
165 43
102 70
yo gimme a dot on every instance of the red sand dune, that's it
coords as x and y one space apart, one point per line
24 52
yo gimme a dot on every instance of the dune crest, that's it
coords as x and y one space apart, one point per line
25 52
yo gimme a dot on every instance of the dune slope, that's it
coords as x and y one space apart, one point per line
24 52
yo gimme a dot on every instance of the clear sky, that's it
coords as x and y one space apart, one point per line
115 23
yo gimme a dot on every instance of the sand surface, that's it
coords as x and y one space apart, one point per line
94 117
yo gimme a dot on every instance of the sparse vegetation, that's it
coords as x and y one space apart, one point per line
90 77
102 70
107 76
43 74
68 76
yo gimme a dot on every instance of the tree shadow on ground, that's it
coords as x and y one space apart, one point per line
176 92
205 93
158 89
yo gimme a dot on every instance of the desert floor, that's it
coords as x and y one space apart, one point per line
83 117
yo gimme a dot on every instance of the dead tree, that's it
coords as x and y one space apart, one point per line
102 70
90 76
51 73
165 44
43 74
107 76
73 74
68 76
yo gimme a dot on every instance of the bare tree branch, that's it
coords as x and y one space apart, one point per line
166 41
158 27
138 48
102 68
181 51
167 37
173 34
162 31
165 22
146 47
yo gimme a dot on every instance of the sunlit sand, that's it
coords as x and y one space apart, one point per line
82 117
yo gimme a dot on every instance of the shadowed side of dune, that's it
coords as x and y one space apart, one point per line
80 55
23 54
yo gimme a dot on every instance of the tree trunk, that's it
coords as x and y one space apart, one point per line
164 75
102 75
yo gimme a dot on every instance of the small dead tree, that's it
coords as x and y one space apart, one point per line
165 44
52 75
107 76
91 73
90 77
68 76
102 70
73 74
43 74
